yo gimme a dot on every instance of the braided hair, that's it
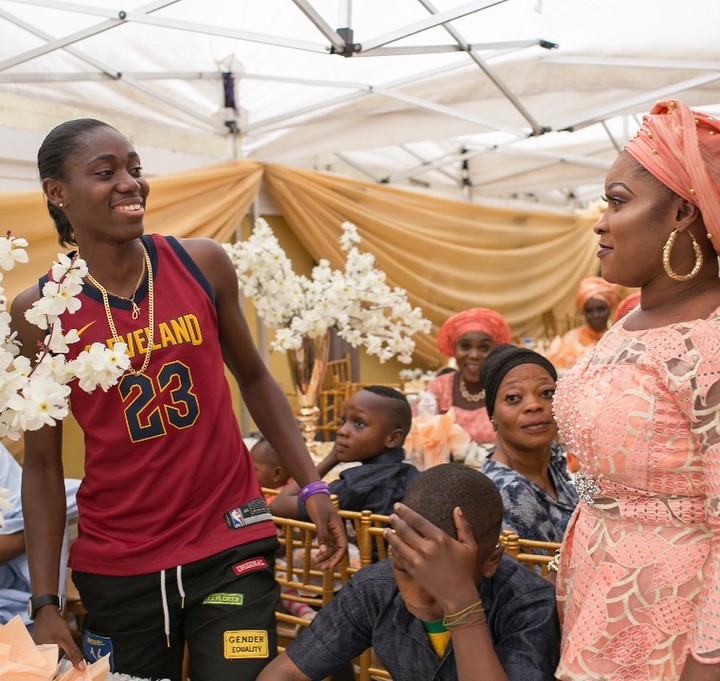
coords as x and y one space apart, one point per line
60 144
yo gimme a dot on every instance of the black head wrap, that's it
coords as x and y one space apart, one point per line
499 361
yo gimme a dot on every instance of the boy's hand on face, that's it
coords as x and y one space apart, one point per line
444 567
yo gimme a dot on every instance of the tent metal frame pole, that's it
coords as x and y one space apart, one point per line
611 137
179 25
448 111
195 113
517 173
429 22
345 13
368 89
499 84
511 45
54 44
642 100
316 20
621 62
503 150
436 164
424 161
572 159
356 166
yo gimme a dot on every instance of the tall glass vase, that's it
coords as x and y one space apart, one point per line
307 370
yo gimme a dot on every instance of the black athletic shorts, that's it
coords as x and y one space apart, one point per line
227 617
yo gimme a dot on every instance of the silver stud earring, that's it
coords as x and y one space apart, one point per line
61 204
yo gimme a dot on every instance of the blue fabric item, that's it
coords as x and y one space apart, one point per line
15 575
369 611
531 512
376 485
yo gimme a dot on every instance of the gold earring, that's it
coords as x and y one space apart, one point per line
61 204
667 248
494 425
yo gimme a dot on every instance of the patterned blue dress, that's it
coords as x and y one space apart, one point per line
531 512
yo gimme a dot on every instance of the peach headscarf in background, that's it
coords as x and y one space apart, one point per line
681 148
596 287
481 319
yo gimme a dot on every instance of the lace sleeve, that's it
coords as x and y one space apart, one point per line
694 380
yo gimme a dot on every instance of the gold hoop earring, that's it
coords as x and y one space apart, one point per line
667 249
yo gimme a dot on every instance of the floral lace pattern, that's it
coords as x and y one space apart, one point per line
639 580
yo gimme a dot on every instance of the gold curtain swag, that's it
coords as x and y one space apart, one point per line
449 255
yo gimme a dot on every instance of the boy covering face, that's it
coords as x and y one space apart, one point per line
447 606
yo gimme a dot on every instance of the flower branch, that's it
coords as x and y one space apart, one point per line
357 302
35 393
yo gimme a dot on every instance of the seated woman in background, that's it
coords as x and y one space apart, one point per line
595 298
526 465
468 337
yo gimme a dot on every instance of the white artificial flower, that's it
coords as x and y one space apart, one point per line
357 302
100 366
35 393
12 251
41 402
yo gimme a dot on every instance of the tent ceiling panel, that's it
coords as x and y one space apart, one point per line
474 107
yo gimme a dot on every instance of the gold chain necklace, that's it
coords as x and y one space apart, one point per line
151 309
467 395
135 308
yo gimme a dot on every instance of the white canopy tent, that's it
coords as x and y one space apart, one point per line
482 100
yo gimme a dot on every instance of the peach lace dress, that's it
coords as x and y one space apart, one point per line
639 581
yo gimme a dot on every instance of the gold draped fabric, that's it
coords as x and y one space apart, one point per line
449 255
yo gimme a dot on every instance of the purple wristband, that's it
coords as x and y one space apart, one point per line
317 487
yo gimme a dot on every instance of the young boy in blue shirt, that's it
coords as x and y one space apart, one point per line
447 606
376 420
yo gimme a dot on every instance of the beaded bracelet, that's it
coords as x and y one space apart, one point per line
473 614
554 564
317 487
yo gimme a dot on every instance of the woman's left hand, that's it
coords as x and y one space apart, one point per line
330 530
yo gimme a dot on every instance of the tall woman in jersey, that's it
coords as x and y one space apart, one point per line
175 542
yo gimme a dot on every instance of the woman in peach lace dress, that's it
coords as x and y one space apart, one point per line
639 574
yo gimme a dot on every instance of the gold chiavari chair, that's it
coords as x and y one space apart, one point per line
535 554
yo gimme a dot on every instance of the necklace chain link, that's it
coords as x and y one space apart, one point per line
147 266
135 307
467 395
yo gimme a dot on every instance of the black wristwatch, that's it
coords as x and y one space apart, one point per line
37 602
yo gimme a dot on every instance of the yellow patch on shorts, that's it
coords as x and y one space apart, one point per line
245 643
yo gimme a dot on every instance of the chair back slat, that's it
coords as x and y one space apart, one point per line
534 554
